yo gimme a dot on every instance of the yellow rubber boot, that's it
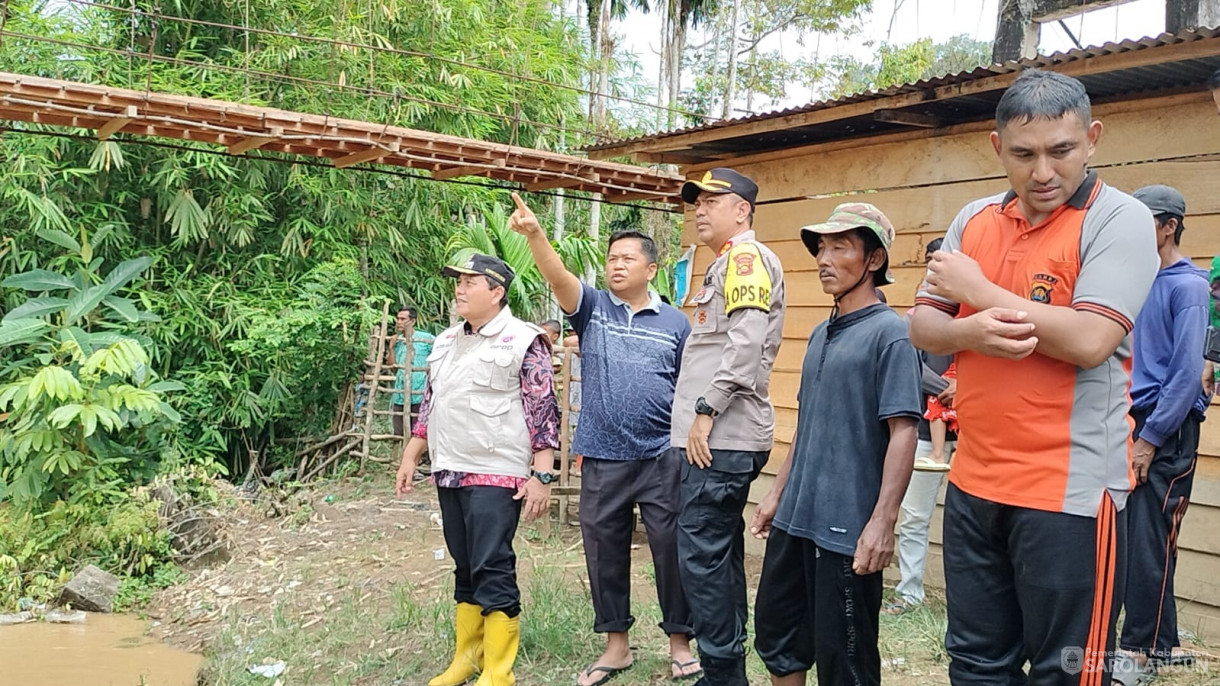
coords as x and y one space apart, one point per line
501 636
468 657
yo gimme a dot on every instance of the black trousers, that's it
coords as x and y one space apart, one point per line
812 609
608 490
1154 519
1028 585
479 523
711 557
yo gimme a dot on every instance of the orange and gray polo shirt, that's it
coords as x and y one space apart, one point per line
1041 433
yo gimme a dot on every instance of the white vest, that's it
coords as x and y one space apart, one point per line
477 420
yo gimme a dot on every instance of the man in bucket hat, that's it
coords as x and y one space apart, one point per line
829 516
723 421
491 423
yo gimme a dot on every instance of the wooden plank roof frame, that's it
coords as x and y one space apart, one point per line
242 128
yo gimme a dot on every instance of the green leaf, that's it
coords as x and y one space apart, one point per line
120 275
88 419
84 302
170 413
77 336
36 307
38 280
60 238
63 416
20 331
109 418
166 386
56 382
124 307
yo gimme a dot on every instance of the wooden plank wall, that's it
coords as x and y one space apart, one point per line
921 180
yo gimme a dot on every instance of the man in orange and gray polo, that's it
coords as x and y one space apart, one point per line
723 422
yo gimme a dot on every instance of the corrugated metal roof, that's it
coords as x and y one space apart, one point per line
1101 85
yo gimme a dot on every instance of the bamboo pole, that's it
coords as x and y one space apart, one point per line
379 356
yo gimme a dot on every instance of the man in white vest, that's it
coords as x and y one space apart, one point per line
491 424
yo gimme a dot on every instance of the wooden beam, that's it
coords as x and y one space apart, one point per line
455 172
926 121
115 125
1047 11
254 142
344 141
563 182
370 155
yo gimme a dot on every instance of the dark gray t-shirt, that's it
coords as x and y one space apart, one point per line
860 370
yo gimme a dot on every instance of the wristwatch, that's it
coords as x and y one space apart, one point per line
545 478
701 407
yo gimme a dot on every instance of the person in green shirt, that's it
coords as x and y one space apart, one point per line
404 364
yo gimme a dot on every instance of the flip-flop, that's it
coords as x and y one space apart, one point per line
682 667
924 464
608 673
895 609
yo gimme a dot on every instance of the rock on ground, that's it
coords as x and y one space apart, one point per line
91 590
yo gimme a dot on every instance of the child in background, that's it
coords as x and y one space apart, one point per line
941 419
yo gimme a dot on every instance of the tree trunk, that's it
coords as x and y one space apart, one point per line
675 65
663 74
730 87
595 222
605 52
753 71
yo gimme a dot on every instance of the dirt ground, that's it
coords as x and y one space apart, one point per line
350 586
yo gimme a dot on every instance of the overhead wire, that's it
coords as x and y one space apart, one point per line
367 168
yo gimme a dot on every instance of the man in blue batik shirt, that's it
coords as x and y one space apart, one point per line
630 346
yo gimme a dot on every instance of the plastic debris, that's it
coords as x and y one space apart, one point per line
270 671
60 617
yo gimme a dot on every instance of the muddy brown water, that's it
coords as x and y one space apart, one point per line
107 650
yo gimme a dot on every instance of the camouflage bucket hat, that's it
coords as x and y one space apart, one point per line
853 215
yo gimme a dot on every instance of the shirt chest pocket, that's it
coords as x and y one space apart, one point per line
1052 281
496 370
709 309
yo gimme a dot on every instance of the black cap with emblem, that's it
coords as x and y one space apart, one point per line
722 180
493 268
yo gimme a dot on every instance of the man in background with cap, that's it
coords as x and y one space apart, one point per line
1167 406
723 422
830 514
491 423
1036 291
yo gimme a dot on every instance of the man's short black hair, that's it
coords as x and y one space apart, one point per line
409 310
1038 94
871 244
1213 83
934 245
1164 217
648 245
553 325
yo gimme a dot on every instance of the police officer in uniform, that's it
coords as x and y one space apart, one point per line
490 421
723 421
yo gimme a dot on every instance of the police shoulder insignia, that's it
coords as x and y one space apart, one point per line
747 283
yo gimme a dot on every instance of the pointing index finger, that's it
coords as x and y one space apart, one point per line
520 203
